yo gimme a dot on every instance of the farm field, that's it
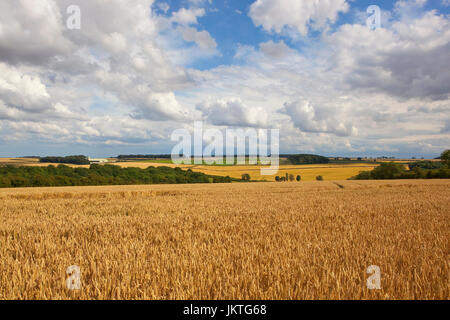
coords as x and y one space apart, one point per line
31 162
309 240
307 172
19 161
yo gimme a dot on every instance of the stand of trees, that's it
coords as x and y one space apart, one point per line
61 175
419 170
425 165
288 177
67 160
306 159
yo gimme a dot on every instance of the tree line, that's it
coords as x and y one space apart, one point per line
144 156
61 175
290 177
306 159
418 170
67 160
426 165
292 158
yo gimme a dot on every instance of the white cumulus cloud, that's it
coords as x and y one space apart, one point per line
275 15
233 112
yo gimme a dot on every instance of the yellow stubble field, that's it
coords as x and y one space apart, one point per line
309 240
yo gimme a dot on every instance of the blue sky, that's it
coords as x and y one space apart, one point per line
230 25
135 71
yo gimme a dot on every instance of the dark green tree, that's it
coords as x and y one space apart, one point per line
388 170
11 176
445 158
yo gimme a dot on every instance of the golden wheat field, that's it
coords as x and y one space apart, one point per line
310 240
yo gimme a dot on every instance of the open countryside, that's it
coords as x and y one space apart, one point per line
255 240
307 172
243 155
311 240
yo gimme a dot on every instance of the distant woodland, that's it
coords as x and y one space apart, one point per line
67 160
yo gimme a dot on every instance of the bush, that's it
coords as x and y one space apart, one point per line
363 175
388 170
299 178
246 177
319 178
5 182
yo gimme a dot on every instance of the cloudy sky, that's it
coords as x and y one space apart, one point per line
138 69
